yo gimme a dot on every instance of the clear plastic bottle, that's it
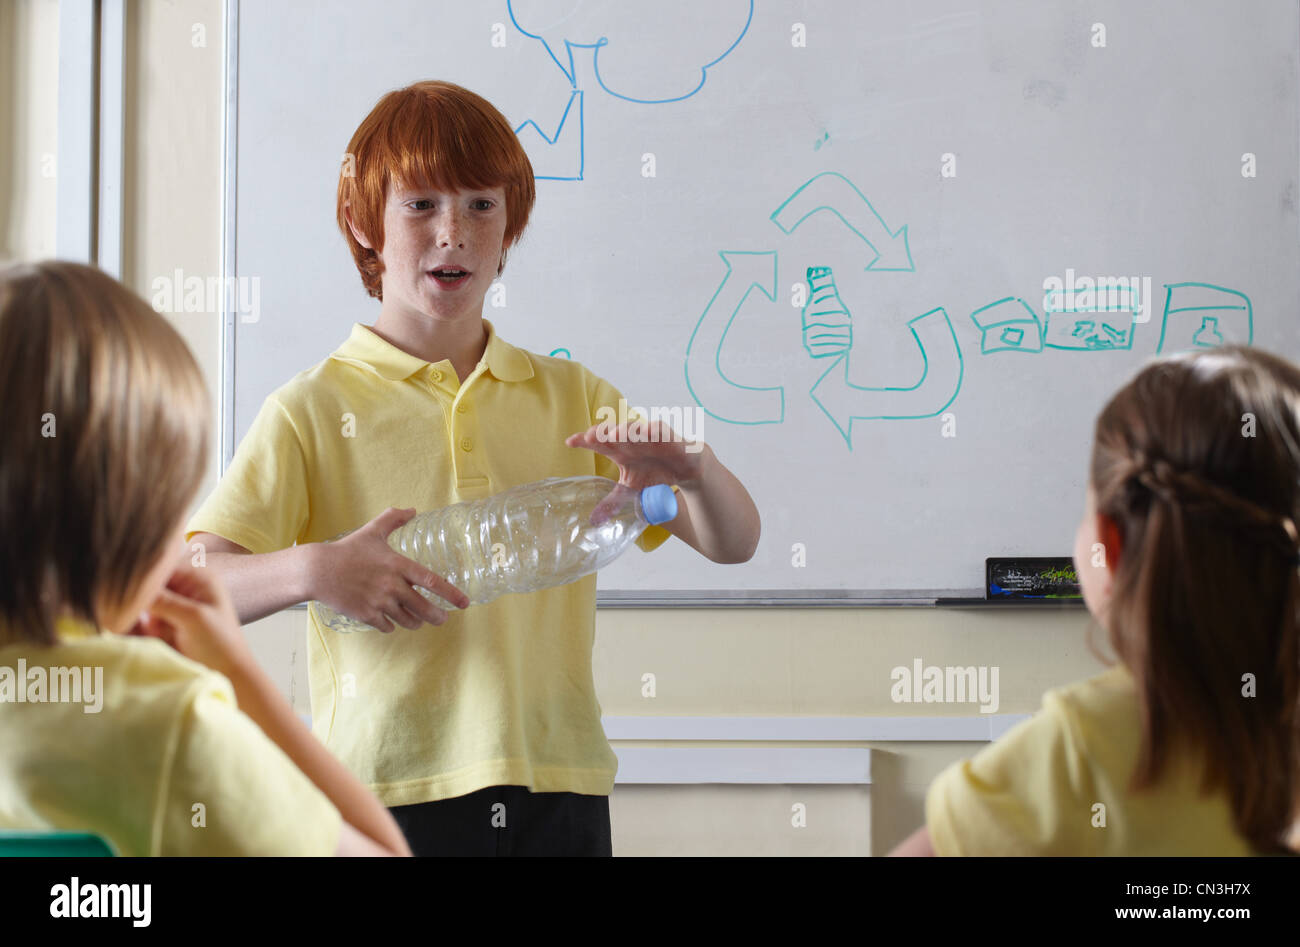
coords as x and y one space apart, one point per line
534 536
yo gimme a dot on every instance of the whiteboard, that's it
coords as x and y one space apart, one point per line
857 237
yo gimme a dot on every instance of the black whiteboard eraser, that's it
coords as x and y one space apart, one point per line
1031 577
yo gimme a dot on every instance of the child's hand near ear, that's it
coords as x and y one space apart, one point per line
194 615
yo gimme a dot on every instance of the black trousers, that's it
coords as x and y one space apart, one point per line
508 820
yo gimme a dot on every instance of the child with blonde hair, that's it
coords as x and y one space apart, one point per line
1187 556
130 705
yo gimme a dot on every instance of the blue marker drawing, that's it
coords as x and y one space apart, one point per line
1075 320
561 353
833 192
937 388
1205 316
634 65
576 158
1008 325
827 325
1209 335
718 395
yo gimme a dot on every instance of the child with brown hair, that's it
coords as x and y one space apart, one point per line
178 746
1187 555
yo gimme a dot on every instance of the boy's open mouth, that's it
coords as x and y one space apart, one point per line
448 275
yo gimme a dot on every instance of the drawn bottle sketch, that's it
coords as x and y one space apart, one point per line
827 324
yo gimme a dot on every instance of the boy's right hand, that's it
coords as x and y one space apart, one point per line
362 576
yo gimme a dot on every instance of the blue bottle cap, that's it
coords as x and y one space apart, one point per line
658 504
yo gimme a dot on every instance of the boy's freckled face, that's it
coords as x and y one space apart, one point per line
442 249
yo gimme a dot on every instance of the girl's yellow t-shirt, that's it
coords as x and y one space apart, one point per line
126 738
1056 784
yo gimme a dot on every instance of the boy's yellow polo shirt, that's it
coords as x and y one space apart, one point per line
1045 787
500 694
126 738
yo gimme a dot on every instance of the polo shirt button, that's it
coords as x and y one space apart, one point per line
466 444
437 376
462 408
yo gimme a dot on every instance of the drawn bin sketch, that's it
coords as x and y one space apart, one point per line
1200 315
1008 325
1090 319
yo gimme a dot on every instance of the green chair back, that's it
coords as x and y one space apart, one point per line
53 845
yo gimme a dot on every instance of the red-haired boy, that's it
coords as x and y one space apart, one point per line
483 735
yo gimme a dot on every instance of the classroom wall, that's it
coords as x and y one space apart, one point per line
172 185
763 662
29 81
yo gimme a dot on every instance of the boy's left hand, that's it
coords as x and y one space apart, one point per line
659 454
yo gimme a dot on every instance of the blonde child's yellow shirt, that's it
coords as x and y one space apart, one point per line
501 693
1045 787
148 750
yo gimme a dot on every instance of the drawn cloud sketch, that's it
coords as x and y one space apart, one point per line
660 57
665 56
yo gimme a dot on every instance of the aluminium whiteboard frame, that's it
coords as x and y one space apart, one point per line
90 154
74 207
112 136
229 153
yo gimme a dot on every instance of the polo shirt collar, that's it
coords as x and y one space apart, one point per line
67 627
364 347
504 360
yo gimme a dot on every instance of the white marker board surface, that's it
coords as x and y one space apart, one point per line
905 180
